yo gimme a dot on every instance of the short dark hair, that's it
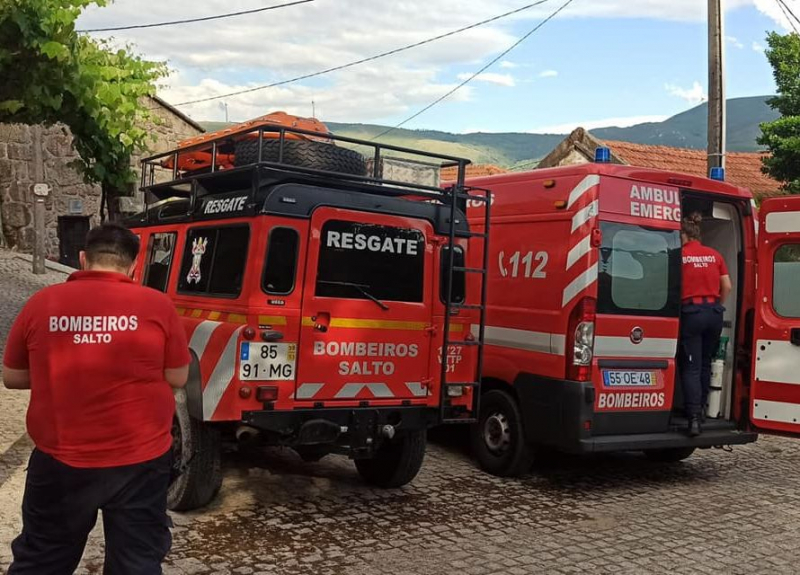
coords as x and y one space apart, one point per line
111 244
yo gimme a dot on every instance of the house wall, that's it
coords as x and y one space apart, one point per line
69 195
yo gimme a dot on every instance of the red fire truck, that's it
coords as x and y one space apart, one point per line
317 298
583 311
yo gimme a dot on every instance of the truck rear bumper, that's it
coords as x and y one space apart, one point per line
666 440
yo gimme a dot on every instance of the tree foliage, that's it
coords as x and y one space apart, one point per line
782 136
51 73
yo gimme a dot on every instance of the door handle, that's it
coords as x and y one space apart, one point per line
271 335
321 321
795 336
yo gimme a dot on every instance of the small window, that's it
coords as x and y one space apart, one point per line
160 251
639 271
214 261
459 279
370 261
281 264
785 279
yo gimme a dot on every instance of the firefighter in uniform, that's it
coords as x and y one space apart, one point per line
706 285
100 355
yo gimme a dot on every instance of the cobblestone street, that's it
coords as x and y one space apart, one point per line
718 512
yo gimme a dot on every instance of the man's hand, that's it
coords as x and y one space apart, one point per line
16 378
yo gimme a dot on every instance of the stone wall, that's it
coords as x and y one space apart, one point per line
68 194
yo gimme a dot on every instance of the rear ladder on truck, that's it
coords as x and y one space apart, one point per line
461 194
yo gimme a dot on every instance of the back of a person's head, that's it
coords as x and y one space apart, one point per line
111 245
690 225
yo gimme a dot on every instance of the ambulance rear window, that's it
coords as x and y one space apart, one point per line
360 261
639 271
785 279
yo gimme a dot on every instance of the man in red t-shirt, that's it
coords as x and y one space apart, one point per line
100 355
706 284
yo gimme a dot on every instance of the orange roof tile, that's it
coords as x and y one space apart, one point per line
741 168
473 171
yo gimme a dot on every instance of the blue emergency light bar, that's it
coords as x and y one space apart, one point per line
602 155
717 173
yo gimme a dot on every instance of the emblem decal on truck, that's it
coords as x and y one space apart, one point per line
198 249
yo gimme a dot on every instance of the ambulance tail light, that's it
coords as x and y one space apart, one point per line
580 347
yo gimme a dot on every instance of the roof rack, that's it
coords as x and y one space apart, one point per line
163 176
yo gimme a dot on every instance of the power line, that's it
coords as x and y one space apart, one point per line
786 12
363 60
193 20
476 74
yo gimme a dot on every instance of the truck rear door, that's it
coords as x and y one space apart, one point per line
367 309
775 389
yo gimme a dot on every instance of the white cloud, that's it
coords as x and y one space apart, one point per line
548 74
491 78
508 65
620 122
694 95
733 40
758 47
772 9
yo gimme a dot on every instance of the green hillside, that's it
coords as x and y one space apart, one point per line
516 149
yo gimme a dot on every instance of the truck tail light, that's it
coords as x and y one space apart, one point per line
580 340
266 393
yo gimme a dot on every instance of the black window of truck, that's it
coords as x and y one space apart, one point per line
785 279
459 279
160 253
639 271
385 262
214 261
281 262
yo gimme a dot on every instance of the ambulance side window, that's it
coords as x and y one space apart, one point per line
459 281
214 261
785 279
160 252
281 263
364 261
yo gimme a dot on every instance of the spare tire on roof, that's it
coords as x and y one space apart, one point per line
303 153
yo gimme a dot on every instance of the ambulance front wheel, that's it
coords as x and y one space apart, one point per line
396 462
669 455
498 439
197 456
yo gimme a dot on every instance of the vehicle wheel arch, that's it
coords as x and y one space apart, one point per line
194 388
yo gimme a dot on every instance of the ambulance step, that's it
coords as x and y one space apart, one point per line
469 270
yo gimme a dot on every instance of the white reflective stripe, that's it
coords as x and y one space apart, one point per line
416 389
610 346
202 333
221 377
779 411
378 390
584 215
782 222
537 341
580 250
308 390
778 361
579 284
755 215
584 186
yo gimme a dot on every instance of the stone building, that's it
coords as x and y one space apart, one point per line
38 154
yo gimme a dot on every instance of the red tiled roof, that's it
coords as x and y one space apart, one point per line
741 168
473 171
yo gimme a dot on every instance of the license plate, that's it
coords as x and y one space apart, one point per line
267 361
630 378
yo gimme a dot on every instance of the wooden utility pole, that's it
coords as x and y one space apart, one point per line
716 86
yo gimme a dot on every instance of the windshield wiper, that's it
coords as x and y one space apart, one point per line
361 288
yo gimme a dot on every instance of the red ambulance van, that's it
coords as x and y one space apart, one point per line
584 301
317 293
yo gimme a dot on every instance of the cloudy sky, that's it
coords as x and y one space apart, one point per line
597 63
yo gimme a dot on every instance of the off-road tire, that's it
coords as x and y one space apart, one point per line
201 445
509 458
669 455
303 153
397 461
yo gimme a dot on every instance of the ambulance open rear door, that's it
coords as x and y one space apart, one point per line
775 389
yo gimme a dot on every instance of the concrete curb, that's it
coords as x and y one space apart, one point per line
54 266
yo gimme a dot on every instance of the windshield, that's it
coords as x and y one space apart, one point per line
639 271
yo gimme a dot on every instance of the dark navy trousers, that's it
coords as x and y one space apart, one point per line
60 507
701 326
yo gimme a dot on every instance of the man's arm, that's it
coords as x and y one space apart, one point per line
16 378
177 377
725 287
